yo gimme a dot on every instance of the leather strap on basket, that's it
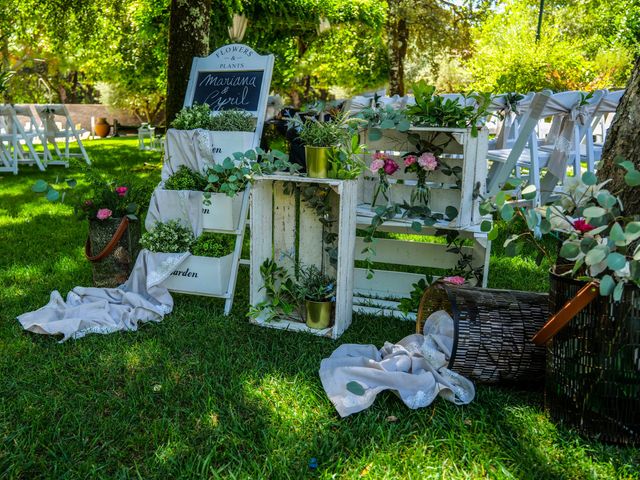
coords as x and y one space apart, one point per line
106 251
574 306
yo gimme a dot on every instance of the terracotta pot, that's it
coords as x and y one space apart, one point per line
102 127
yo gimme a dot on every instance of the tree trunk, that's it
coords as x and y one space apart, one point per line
398 37
623 140
188 38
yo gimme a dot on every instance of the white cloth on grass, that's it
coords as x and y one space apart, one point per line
415 369
192 148
86 310
183 205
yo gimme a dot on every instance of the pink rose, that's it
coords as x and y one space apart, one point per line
582 226
376 165
103 214
390 166
428 161
410 160
455 280
121 191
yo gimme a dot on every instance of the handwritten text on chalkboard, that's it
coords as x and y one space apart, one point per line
229 90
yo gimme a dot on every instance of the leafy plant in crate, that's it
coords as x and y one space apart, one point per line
318 291
111 207
320 138
283 295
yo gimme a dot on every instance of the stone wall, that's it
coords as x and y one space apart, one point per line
81 113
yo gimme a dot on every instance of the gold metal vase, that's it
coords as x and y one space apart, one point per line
318 314
317 159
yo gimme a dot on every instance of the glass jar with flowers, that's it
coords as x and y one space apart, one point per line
422 166
384 166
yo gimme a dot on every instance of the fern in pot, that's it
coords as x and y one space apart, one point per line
318 290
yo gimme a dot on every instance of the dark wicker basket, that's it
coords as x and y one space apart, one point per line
113 270
593 365
493 330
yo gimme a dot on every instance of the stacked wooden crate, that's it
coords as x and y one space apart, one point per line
288 231
463 152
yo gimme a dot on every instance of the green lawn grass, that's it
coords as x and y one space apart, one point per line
201 395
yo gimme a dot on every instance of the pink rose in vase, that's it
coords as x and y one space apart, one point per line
103 214
376 165
410 160
390 166
428 161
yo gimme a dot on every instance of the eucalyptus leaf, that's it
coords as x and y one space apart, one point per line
451 212
355 388
374 134
529 192
607 284
545 226
587 243
416 226
632 178
493 234
616 261
506 212
53 195
589 178
596 255
71 182
486 226
569 250
387 124
617 235
594 212
40 186
606 200
617 293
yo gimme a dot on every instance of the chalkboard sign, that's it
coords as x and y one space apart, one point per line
229 90
232 77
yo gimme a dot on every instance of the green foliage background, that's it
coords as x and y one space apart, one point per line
115 51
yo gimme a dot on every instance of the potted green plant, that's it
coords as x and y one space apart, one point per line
222 182
320 138
207 270
318 291
111 208
593 380
233 131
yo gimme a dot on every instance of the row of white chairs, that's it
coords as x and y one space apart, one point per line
22 128
540 133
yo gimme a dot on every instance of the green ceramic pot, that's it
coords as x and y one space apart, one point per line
317 159
318 314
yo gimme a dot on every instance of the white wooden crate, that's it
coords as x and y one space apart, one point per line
463 150
381 294
202 276
283 229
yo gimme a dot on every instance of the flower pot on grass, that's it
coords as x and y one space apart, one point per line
102 127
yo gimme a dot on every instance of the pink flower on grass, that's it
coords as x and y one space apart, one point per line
376 165
121 191
582 226
410 160
455 280
428 161
103 214
390 166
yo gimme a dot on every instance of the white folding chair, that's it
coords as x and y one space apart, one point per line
7 162
358 103
67 132
15 140
602 120
33 133
560 148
